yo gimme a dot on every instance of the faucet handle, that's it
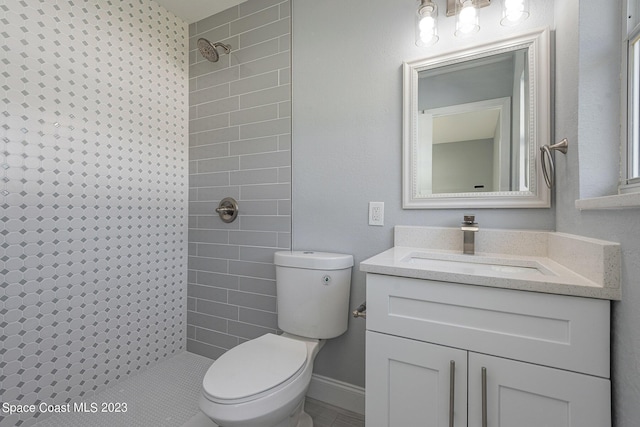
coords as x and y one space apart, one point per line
469 219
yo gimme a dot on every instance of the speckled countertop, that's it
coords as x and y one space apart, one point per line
547 262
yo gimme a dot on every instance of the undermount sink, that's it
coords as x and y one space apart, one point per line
473 264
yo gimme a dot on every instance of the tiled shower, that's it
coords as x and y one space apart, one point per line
240 147
93 195
117 140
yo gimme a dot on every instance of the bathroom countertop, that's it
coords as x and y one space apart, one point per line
558 264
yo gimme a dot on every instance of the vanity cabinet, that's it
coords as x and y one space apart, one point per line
409 383
527 395
443 354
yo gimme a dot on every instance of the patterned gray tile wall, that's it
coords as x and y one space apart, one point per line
239 146
93 196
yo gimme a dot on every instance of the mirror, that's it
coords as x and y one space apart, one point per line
473 122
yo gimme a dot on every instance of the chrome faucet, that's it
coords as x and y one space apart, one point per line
469 228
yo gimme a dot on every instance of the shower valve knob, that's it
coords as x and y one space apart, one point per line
227 209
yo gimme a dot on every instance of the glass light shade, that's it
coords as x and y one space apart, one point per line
427 24
466 18
514 12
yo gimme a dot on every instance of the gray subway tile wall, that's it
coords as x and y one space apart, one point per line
93 196
239 146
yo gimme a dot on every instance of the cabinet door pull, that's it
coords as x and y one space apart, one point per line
484 397
452 387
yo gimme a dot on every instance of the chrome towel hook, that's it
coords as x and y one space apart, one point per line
545 150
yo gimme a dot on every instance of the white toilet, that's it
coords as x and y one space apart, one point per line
263 382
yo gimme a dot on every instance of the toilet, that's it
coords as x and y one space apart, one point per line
263 382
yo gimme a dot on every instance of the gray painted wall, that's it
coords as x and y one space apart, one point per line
93 196
240 147
347 138
588 113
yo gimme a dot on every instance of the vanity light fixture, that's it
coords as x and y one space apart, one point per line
514 12
466 13
427 24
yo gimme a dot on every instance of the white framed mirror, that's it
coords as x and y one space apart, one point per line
473 122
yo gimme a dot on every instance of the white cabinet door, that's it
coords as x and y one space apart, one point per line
525 395
409 383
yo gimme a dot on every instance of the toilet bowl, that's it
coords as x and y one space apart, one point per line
263 382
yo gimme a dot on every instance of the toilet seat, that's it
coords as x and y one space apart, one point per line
254 368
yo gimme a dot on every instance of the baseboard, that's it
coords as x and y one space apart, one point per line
337 393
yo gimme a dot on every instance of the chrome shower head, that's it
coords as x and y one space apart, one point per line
209 51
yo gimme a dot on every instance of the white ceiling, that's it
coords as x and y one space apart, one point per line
195 10
465 126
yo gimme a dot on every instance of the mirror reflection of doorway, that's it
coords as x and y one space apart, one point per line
469 147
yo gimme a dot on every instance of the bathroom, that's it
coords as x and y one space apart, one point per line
128 226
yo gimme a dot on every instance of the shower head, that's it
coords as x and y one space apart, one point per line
209 51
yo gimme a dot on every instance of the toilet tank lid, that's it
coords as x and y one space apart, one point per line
313 260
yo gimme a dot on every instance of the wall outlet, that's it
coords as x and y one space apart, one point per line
376 213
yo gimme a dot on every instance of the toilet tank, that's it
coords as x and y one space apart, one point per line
313 292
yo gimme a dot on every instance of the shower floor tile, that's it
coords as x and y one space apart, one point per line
166 395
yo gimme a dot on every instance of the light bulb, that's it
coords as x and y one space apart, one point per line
513 9
427 38
427 24
427 27
514 12
467 22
